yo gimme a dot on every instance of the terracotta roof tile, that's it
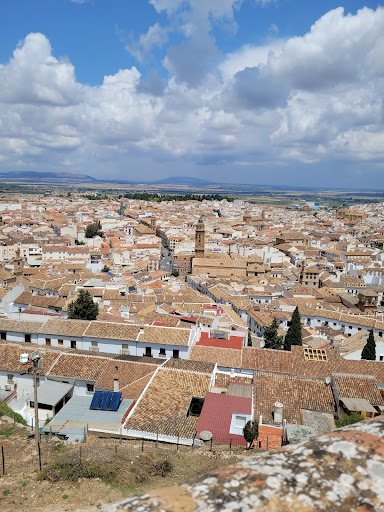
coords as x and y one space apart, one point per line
165 404
230 358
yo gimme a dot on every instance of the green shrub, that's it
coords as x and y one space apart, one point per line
7 431
7 411
349 419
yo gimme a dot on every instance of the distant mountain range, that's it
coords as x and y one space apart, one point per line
38 177
183 180
45 177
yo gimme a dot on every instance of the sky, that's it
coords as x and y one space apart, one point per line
279 92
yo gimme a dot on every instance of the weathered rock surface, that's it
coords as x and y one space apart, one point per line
342 471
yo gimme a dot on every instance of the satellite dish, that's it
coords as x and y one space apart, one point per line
328 381
262 344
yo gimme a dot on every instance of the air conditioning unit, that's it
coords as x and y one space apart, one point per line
8 387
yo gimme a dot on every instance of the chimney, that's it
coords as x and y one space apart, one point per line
116 380
278 412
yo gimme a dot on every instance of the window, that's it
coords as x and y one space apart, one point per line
3 335
95 346
90 388
125 349
48 341
176 354
240 421
10 378
27 338
315 354
381 358
73 344
162 352
148 351
60 342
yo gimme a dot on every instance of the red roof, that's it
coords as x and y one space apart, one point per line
192 319
216 417
161 324
234 342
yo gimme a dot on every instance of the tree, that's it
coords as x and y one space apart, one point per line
369 351
249 339
83 308
251 432
105 268
293 336
175 273
271 338
93 230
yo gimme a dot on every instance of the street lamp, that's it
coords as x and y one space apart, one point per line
37 364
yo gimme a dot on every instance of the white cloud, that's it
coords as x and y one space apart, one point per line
33 75
155 36
249 56
305 99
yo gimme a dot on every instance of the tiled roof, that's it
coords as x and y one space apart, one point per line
20 326
276 387
223 380
227 357
110 330
75 328
10 358
315 395
314 368
267 359
294 393
128 374
164 335
190 365
165 403
357 386
79 366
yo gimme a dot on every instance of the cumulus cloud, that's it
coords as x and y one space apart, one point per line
33 75
302 100
191 60
156 36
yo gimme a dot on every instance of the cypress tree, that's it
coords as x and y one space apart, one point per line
83 308
271 338
293 336
369 351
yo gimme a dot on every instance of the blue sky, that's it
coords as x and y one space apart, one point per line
246 91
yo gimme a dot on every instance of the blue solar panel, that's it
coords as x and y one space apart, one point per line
115 401
96 400
105 401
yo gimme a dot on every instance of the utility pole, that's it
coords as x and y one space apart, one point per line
36 404
37 364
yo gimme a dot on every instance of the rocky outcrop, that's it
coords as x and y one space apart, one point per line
342 471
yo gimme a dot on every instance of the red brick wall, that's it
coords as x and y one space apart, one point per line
269 437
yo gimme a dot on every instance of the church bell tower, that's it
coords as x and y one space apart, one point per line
200 239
